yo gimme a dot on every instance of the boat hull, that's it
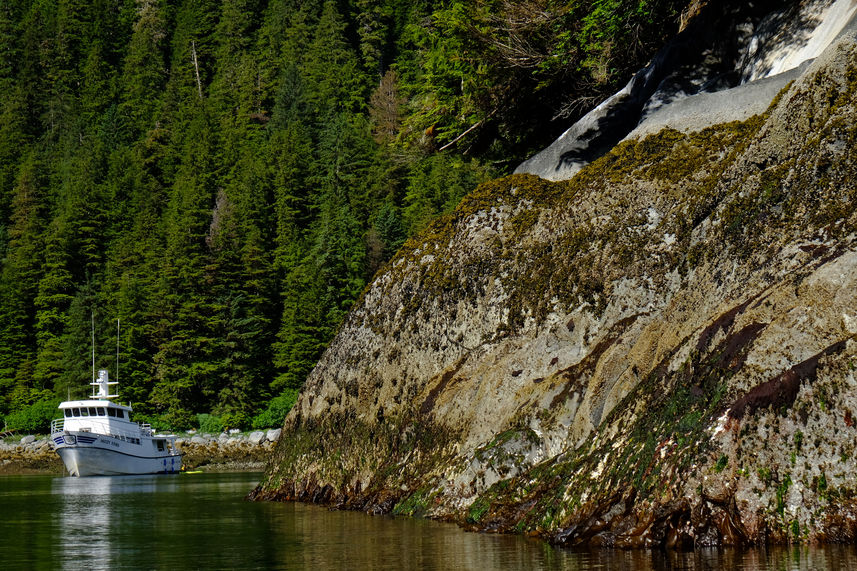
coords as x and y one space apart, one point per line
86 454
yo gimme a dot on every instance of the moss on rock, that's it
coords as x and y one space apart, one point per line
658 352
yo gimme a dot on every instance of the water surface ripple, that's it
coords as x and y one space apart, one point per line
201 521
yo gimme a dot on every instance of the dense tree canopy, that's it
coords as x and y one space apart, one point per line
223 177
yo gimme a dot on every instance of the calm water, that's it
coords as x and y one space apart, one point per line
200 521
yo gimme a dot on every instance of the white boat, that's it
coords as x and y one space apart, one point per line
96 437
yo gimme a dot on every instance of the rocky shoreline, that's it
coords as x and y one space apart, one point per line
208 452
228 452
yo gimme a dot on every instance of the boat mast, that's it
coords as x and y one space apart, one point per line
117 349
92 330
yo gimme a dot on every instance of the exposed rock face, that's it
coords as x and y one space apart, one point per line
30 455
659 351
725 66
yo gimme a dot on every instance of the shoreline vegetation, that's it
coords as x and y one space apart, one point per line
225 452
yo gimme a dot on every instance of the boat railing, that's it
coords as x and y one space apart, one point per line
144 430
133 437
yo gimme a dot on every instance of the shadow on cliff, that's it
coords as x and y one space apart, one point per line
705 57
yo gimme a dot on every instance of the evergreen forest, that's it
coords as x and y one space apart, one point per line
205 186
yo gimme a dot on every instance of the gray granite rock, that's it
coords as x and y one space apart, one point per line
696 81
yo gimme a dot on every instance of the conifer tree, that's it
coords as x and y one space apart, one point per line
144 69
76 372
19 280
185 371
52 301
371 19
12 108
328 92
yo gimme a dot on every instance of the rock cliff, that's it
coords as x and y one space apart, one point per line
659 351
725 65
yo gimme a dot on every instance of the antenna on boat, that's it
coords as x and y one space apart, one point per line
92 330
117 349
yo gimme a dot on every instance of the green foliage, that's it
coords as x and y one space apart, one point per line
505 67
795 529
35 418
209 424
178 419
477 510
232 420
613 26
415 505
436 185
276 411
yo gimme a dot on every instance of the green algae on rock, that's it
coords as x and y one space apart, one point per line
658 352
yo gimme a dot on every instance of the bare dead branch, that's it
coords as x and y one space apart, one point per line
196 66
461 136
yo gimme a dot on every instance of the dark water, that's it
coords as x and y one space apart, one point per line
200 521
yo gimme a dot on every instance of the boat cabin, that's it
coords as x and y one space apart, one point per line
101 417
86 410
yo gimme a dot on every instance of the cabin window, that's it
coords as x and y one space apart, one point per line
120 414
75 412
92 411
101 411
67 413
83 412
111 412
160 444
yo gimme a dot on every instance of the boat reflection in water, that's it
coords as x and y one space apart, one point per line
85 508
97 510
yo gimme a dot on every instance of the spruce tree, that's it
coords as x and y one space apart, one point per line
52 301
19 281
144 68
